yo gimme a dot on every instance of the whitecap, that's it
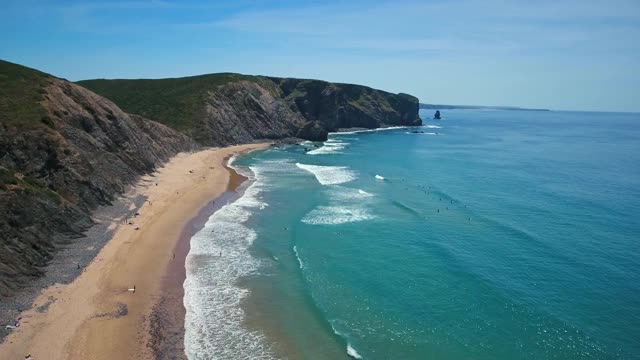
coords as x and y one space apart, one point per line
433 126
330 146
378 177
352 352
423 133
369 130
329 175
335 215
347 195
300 264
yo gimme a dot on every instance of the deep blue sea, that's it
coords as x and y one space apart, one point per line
491 235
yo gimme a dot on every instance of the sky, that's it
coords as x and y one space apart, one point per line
562 54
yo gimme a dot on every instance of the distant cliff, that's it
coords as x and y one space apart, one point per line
65 150
224 109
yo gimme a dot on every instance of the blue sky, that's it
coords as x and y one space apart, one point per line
564 54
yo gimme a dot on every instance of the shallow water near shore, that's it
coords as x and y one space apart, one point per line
490 235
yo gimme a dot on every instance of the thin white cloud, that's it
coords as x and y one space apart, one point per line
463 26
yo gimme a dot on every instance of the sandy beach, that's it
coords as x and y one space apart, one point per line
96 316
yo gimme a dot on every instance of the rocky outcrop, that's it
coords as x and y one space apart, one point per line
84 152
337 106
229 109
65 150
243 111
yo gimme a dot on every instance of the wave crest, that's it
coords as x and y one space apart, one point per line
329 175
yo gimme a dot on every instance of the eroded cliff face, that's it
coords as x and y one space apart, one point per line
229 109
241 112
83 154
65 150
244 111
335 106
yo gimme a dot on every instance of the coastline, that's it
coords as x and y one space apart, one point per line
168 314
95 316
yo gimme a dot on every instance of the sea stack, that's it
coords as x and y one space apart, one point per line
437 115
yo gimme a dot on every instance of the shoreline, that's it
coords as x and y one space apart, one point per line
168 315
96 316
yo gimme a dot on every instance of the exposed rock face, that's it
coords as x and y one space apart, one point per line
232 108
313 131
64 150
243 111
53 175
336 106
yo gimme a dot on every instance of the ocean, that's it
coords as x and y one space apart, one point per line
489 235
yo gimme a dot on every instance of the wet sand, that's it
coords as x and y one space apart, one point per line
167 317
96 316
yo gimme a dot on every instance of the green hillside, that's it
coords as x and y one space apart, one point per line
176 102
21 90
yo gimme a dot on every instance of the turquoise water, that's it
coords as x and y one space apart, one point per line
492 235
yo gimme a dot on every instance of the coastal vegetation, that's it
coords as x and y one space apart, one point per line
68 148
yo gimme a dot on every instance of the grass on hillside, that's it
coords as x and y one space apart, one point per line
176 102
9 178
21 90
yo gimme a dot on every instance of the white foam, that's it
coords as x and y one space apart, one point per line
352 352
346 195
231 160
218 257
335 215
345 205
330 146
424 133
433 126
378 177
329 175
369 130
295 250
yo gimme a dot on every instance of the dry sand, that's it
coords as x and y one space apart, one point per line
95 316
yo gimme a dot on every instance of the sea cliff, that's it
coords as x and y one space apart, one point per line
225 109
67 148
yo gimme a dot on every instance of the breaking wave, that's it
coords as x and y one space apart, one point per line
218 257
329 175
